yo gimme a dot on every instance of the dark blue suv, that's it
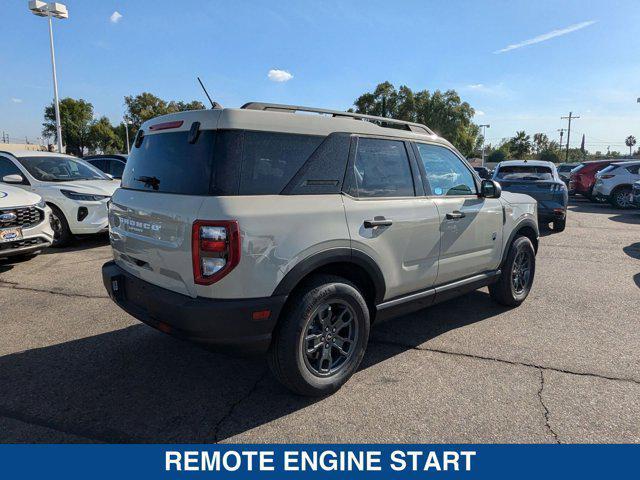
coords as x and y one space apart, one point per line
540 180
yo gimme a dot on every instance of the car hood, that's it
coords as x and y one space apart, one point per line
93 187
517 198
16 197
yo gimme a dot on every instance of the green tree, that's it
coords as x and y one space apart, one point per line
497 156
145 106
103 137
630 142
520 145
540 142
549 155
75 120
443 112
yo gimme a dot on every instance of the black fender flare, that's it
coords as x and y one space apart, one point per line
526 222
326 257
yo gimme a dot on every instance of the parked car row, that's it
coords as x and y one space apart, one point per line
541 181
606 181
47 198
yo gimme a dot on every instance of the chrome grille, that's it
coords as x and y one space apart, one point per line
25 217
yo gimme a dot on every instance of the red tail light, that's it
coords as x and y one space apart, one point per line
604 177
167 125
215 249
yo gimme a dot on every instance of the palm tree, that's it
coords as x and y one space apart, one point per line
630 142
520 145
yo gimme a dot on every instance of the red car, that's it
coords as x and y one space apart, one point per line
583 177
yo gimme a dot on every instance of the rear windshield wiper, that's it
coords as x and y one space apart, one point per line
152 182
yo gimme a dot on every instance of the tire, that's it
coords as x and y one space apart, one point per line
559 225
620 198
61 232
306 317
503 291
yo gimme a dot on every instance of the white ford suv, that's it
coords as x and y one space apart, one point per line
76 191
260 229
24 223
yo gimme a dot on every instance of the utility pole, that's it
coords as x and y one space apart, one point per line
484 131
570 117
561 130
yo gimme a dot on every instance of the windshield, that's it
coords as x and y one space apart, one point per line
525 172
566 168
60 169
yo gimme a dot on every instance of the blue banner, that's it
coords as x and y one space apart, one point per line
319 461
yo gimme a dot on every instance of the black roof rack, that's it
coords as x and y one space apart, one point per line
276 107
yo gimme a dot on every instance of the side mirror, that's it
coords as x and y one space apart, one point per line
490 189
14 178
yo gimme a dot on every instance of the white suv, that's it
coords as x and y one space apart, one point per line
24 223
614 183
260 229
76 191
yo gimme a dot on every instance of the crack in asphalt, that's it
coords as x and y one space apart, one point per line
232 408
547 414
501 360
16 286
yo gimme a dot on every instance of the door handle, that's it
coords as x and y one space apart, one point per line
455 215
378 222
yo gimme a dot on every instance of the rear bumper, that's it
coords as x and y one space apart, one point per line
226 324
551 213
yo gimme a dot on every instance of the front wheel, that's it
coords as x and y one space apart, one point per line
518 271
321 339
61 232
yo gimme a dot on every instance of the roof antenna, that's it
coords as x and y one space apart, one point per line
213 104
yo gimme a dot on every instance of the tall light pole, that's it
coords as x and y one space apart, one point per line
484 131
52 10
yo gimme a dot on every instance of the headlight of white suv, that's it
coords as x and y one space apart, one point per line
85 197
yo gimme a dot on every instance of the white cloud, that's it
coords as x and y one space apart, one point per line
115 17
16 100
276 75
479 113
547 36
493 90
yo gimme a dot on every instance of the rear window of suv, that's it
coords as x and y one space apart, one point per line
224 162
168 163
525 172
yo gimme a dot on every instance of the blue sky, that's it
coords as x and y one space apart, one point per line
522 65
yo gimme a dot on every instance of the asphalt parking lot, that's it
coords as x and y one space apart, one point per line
564 367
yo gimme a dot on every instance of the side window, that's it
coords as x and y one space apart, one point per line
270 160
116 167
381 169
633 169
7 167
100 164
446 173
